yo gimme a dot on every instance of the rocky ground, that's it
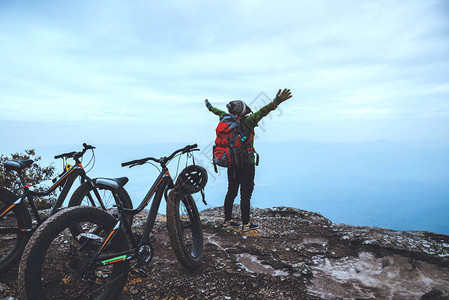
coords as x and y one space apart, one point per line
295 255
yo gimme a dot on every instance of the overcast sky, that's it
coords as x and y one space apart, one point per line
139 71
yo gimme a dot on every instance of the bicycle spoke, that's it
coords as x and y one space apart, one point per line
66 265
102 287
186 225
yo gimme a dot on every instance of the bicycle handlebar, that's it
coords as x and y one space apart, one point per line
163 160
139 161
69 154
186 149
88 147
75 154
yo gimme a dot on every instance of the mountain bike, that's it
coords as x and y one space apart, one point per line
95 263
16 224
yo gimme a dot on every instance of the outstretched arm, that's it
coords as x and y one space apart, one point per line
216 111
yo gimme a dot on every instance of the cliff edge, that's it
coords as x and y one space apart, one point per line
295 254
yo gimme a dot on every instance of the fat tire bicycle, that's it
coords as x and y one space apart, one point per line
95 263
16 223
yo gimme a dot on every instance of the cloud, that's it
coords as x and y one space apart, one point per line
154 62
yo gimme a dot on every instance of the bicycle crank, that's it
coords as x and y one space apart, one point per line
144 255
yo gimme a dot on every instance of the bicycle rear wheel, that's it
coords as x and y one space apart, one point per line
55 265
14 225
184 229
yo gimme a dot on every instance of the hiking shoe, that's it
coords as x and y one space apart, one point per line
249 226
231 223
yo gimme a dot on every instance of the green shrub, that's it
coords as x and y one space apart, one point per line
33 175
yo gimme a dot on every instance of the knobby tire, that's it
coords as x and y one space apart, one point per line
17 219
184 229
54 265
80 197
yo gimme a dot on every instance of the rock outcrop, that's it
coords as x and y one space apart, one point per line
295 254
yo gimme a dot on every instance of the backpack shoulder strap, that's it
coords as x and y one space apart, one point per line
229 116
242 121
251 130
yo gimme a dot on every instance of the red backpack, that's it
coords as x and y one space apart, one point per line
231 146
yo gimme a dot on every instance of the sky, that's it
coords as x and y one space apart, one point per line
136 72
366 131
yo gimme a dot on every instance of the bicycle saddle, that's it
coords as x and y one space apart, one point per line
114 183
17 165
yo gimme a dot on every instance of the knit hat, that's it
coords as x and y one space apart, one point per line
238 108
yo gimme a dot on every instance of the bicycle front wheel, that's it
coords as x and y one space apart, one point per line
15 222
56 265
85 195
184 229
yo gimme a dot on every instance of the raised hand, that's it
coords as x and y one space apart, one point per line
208 105
281 96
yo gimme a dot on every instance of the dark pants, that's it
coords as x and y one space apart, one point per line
242 176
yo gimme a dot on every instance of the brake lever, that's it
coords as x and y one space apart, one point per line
136 164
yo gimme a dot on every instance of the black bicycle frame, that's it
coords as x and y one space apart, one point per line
162 182
66 181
